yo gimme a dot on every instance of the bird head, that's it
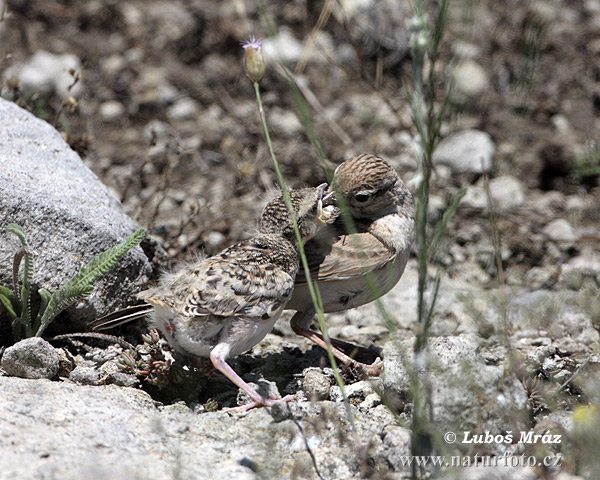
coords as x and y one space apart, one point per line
370 186
312 210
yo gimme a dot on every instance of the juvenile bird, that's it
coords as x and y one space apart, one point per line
352 269
222 306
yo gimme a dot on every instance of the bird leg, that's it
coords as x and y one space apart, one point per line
300 322
217 357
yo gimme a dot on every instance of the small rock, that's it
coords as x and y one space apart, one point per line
560 230
283 47
285 122
470 78
436 207
85 376
466 50
561 123
214 239
475 197
371 401
358 390
587 262
507 192
546 201
31 358
123 379
316 385
466 151
182 109
111 111
537 277
575 203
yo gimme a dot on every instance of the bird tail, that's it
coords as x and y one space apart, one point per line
121 317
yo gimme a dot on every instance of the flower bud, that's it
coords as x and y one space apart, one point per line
255 63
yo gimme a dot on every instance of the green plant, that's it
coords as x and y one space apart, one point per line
587 163
32 309
427 119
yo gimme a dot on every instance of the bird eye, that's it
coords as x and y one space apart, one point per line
361 197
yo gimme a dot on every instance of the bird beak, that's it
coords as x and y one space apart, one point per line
327 214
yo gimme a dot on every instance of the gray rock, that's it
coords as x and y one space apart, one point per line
377 28
48 72
537 277
182 109
265 387
470 78
491 472
466 151
122 379
315 385
283 47
111 111
560 230
31 358
475 197
396 441
68 215
355 391
85 375
507 192
70 431
464 387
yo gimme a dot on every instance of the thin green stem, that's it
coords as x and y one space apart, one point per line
315 295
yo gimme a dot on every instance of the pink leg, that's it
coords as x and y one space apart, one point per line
317 338
218 360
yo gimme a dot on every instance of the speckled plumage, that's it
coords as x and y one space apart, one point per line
383 213
224 305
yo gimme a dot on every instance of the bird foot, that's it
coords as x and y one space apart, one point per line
371 370
261 402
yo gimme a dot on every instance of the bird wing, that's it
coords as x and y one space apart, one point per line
344 257
242 282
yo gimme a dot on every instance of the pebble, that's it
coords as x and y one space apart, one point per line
31 358
507 192
283 47
356 390
466 151
182 109
560 230
85 376
470 78
111 111
316 385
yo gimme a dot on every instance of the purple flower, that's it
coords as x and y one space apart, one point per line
255 63
252 42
